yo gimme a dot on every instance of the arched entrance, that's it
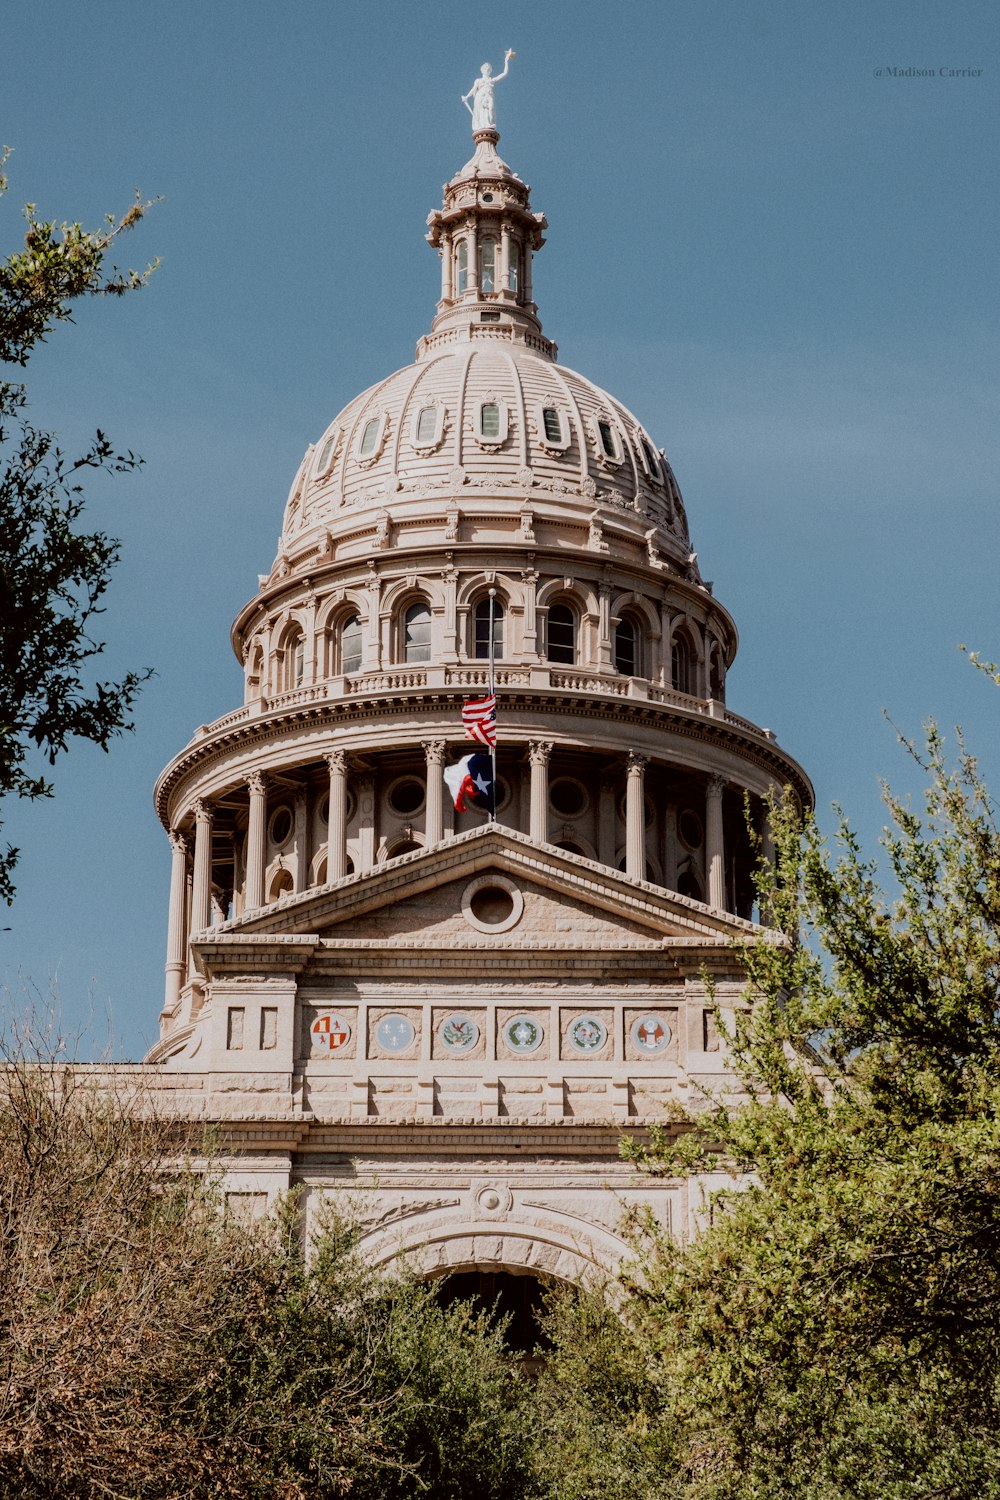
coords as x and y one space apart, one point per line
519 1300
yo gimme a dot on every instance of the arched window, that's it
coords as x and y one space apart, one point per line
427 424
481 616
489 419
488 264
417 632
462 267
294 661
562 634
514 274
680 665
350 645
628 648
369 437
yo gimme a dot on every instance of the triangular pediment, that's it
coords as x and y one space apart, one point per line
431 895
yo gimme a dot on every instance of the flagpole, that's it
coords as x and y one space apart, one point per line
492 691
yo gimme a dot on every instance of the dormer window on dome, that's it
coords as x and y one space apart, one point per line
428 425
372 440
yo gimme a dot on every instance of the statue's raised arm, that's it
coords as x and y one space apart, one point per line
483 106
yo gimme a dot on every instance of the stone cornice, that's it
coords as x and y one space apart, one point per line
251 734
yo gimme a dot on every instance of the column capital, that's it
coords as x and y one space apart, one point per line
257 783
202 812
178 841
635 764
715 786
539 752
337 762
435 751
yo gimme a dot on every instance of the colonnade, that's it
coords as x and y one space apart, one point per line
192 894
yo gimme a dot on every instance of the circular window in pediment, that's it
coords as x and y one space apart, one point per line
492 904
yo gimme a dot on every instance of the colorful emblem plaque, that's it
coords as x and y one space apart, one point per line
394 1033
588 1034
522 1034
330 1032
459 1033
650 1033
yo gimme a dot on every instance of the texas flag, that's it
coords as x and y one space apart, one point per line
470 781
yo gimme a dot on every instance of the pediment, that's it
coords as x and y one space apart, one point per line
565 900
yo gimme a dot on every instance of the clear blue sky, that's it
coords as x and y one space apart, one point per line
783 262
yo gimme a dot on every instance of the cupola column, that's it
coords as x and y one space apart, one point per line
473 242
336 846
257 786
635 819
176 921
447 268
538 753
434 750
715 849
505 257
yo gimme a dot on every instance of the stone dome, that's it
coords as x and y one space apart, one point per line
484 416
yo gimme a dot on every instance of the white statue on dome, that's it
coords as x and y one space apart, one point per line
483 106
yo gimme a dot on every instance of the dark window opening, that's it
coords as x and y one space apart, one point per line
482 621
521 1299
562 634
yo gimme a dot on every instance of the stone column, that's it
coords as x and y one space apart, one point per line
447 252
527 270
336 826
176 921
715 848
538 753
473 238
257 785
434 750
635 816
505 257
301 842
201 894
769 855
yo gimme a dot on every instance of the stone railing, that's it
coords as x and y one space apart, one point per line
474 677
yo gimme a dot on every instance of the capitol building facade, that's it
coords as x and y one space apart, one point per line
445 1018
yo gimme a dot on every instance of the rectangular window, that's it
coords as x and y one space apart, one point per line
427 424
268 1027
489 419
369 437
607 439
234 1028
553 425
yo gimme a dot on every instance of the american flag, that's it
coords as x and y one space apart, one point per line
479 715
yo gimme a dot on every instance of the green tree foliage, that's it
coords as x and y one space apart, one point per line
152 1347
53 573
836 1330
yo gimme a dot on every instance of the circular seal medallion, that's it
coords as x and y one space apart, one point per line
650 1033
522 1034
459 1033
394 1033
330 1032
588 1034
